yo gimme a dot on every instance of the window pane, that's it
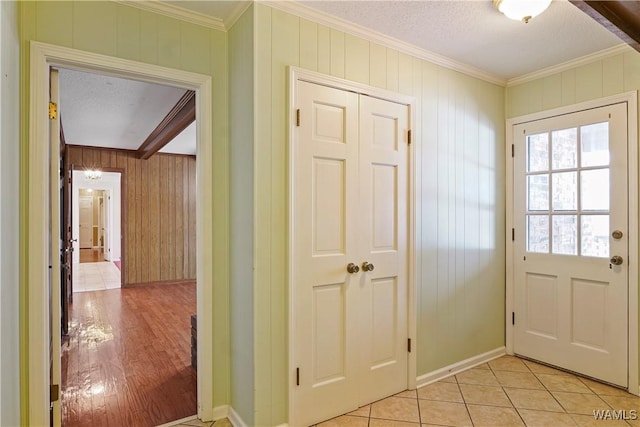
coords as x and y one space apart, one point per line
538 233
594 140
565 148
538 191
538 152
594 188
565 234
595 235
565 191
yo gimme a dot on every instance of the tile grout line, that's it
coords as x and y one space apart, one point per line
507 395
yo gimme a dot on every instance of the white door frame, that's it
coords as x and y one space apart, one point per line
43 56
299 74
632 146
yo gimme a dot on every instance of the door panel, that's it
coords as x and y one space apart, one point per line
86 221
383 201
325 193
570 187
349 200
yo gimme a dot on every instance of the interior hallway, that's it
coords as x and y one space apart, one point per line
96 276
127 359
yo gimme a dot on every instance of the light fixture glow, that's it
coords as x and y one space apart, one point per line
92 174
521 10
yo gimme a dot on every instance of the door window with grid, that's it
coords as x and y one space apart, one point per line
567 184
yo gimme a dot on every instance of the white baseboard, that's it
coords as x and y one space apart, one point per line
235 419
458 367
178 422
220 412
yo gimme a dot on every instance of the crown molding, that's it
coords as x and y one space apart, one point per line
176 12
236 13
564 66
306 12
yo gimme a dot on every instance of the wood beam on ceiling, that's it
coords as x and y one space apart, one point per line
180 116
620 17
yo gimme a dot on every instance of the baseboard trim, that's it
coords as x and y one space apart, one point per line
220 412
235 419
178 422
160 282
458 367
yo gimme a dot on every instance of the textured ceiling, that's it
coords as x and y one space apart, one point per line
103 111
111 112
476 34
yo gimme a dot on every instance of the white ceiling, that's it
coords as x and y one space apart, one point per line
106 111
476 34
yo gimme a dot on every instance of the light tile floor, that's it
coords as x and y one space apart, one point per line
95 276
504 392
197 423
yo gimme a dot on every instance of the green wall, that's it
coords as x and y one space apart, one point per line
123 31
460 195
241 115
9 215
609 76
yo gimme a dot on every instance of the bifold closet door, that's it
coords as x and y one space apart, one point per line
382 218
349 183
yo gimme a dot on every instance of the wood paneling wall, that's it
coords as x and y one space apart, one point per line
460 202
158 214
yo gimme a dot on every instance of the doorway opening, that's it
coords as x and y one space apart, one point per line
96 224
572 222
44 339
135 325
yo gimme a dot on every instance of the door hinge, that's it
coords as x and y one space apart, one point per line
409 137
513 234
54 393
513 318
298 117
297 376
409 345
53 110
513 150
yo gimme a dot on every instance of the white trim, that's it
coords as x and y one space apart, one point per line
296 74
236 13
42 57
220 412
235 419
631 99
176 12
456 368
306 12
178 422
632 170
574 63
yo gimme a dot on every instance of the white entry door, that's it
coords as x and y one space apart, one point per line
349 256
571 244
86 221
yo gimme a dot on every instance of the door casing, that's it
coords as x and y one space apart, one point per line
630 98
296 74
42 57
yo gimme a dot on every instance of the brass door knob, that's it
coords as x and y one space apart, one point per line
367 267
616 260
352 268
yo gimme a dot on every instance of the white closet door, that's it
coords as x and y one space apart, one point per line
383 245
349 181
325 222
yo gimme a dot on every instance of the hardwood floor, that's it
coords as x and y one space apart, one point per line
91 255
126 361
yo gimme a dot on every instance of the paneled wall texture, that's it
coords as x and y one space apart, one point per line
159 212
460 206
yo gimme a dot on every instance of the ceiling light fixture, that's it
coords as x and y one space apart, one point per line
92 174
521 10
